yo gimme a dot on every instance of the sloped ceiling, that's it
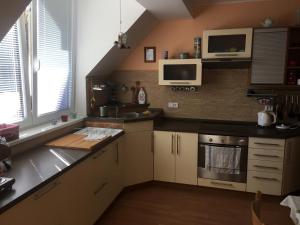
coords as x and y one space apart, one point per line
10 11
167 9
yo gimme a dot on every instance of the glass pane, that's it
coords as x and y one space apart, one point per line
227 43
180 72
54 78
11 83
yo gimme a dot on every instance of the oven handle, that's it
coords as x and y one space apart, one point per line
222 145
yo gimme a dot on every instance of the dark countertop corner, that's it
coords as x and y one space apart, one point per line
218 127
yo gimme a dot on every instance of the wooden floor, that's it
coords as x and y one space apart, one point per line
163 204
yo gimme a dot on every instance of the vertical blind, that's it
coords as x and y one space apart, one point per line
11 84
54 54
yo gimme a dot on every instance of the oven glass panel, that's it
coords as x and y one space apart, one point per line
227 43
180 72
221 162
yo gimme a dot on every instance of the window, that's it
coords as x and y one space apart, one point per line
50 76
11 77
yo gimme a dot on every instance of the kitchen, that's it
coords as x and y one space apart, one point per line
151 137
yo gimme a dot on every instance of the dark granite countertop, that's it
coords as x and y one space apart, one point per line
35 168
130 117
230 128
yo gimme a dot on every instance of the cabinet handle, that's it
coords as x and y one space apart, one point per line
152 142
178 144
117 152
102 186
226 54
172 146
266 156
268 144
96 156
265 178
179 82
266 167
46 190
221 184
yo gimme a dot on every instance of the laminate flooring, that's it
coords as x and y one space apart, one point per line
168 204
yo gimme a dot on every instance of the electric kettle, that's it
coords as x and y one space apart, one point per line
266 118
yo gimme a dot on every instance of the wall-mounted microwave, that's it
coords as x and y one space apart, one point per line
180 72
228 43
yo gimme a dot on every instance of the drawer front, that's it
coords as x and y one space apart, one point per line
266 154
267 143
222 184
265 166
267 183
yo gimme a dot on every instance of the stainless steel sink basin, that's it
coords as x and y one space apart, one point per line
130 115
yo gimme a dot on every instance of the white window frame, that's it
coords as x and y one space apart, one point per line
36 120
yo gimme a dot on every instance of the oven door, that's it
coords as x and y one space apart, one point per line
223 162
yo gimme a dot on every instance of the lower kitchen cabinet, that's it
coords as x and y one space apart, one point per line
175 157
41 208
78 197
138 153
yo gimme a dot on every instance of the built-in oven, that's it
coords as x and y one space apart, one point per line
223 158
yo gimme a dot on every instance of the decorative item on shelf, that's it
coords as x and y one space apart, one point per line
142 97
124 88
184 55
267 23
9 131
164 54
92 97
64 118
121 43
197 47
149 54
292 78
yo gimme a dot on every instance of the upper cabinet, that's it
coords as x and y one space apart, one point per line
269 56
180 72
227 44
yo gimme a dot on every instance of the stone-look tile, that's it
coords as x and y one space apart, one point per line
222 95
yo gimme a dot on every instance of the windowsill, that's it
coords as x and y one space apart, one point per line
34 132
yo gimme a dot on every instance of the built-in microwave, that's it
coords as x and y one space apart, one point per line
228 43
180 72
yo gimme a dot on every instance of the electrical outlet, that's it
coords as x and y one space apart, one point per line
173 105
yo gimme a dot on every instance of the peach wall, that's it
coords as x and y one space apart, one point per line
177 36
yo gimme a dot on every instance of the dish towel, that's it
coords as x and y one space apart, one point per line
223 159
293 202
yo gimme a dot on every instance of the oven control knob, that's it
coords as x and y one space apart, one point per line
222 141
210 139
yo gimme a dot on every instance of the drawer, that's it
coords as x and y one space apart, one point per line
266 154
267 143
267 183
265 166
138 126
222 184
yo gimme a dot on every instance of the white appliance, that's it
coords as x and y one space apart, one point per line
180 72
227 43
265 118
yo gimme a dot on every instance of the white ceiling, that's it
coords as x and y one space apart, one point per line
167 9
180 9
212 2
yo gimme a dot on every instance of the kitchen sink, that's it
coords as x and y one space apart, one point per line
129 115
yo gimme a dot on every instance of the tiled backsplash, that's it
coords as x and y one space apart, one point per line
222 95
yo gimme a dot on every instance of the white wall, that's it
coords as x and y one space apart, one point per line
97 29
10 11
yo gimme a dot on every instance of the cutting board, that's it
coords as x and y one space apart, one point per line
75 141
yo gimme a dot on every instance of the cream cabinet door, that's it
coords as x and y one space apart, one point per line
138 157
164 156
41 208
186 158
